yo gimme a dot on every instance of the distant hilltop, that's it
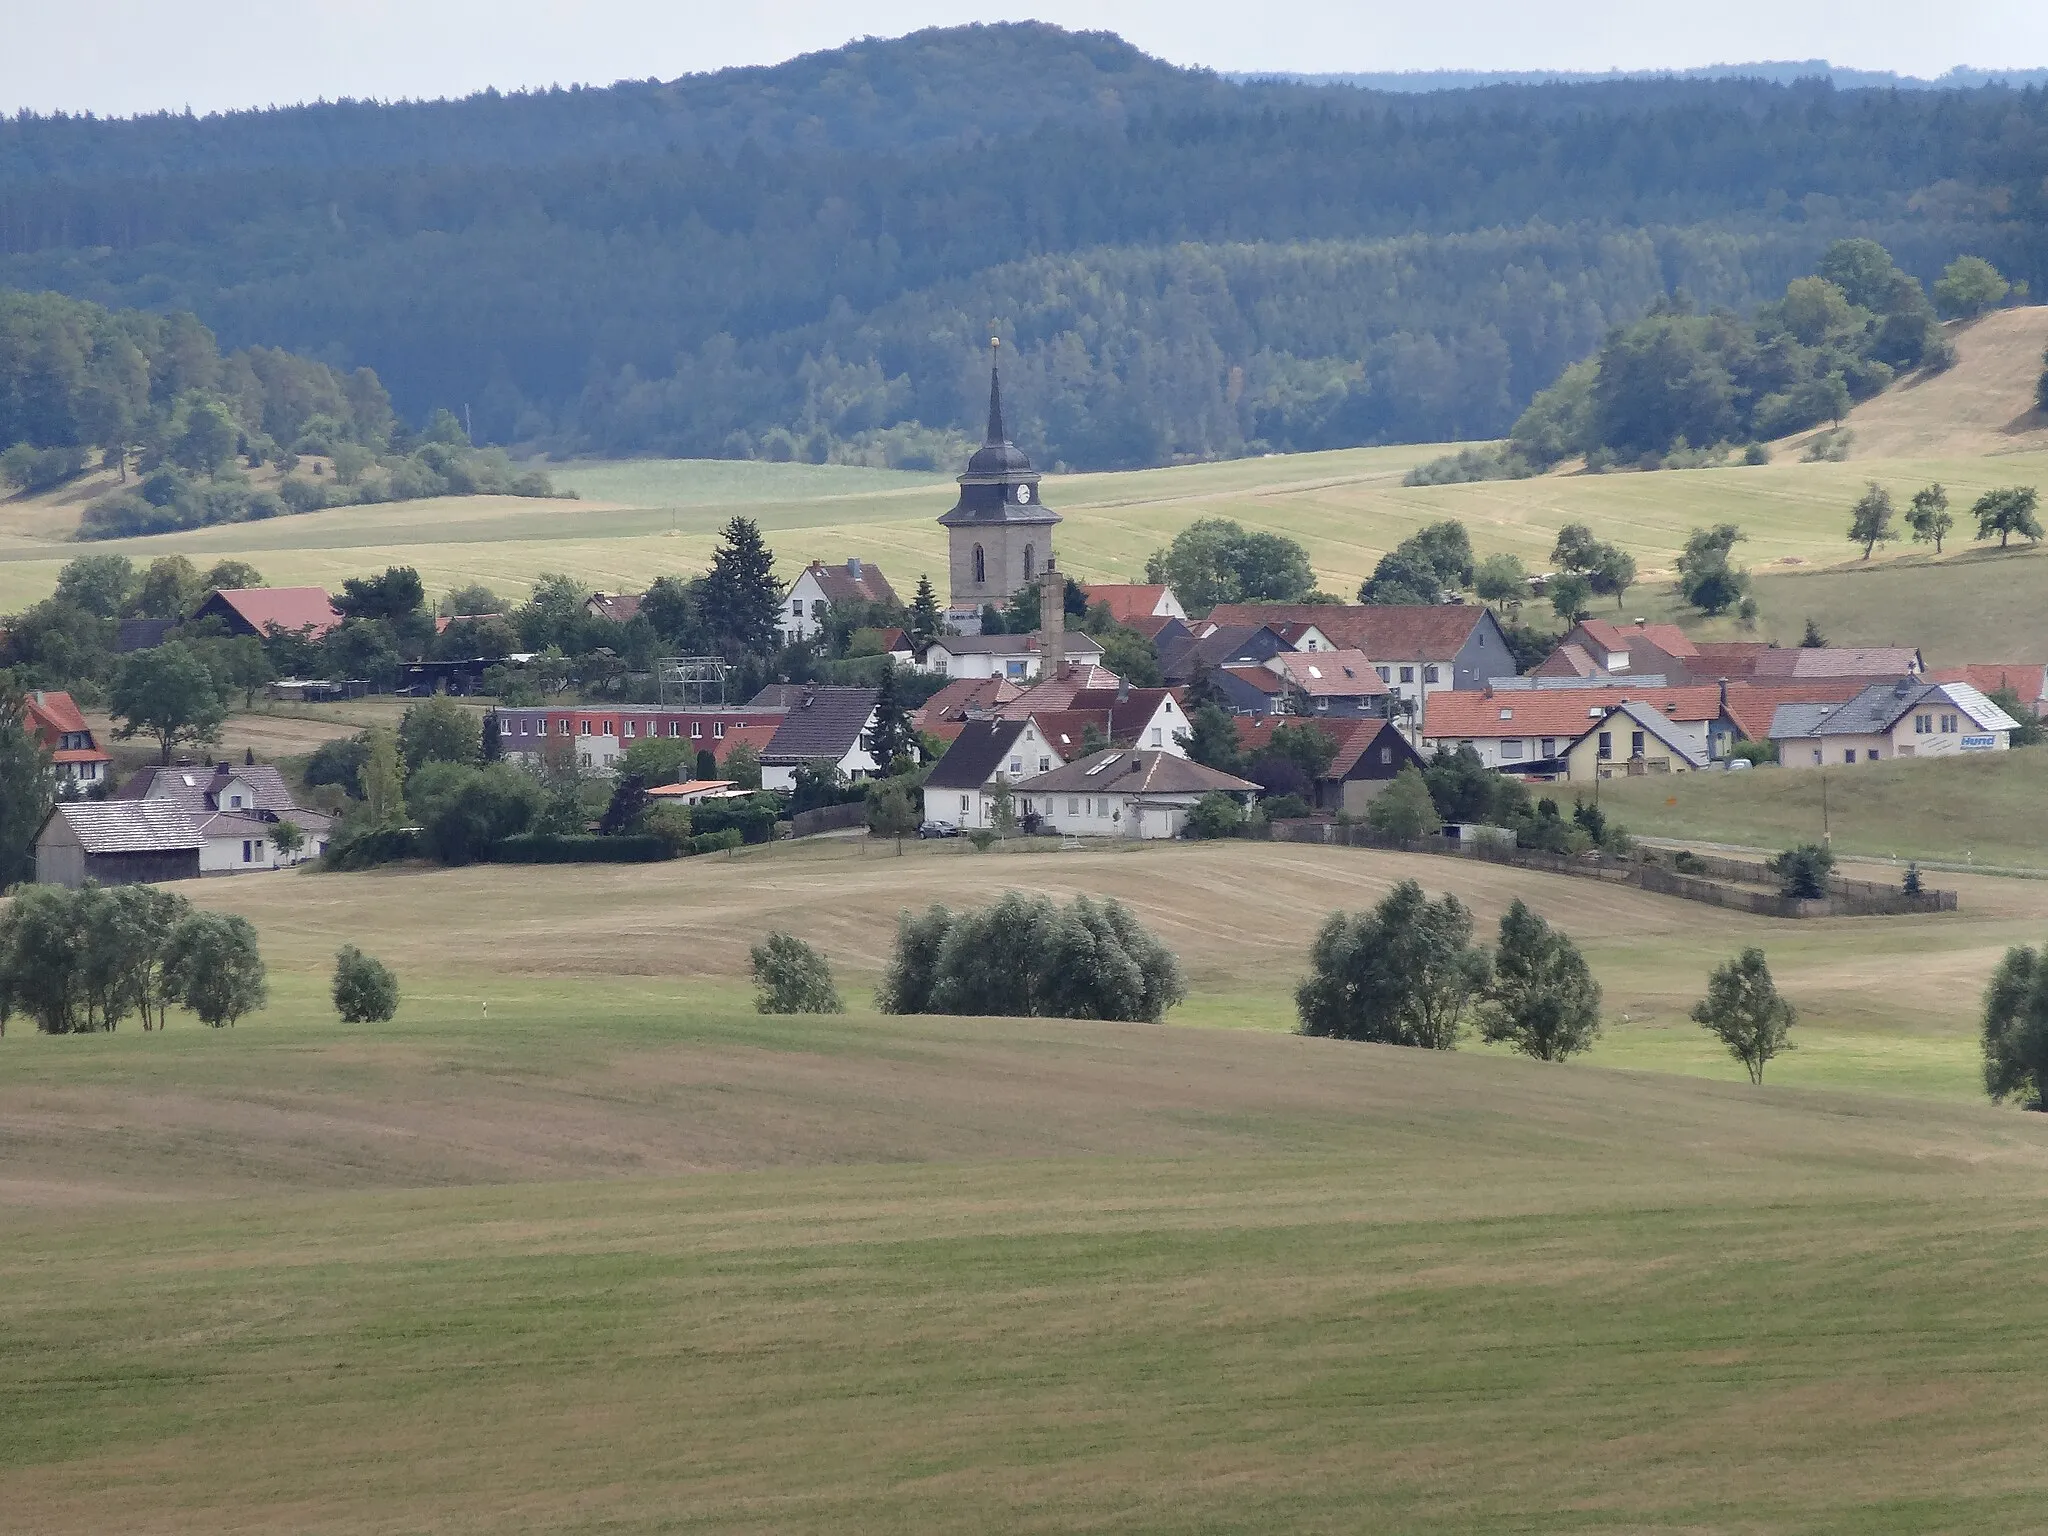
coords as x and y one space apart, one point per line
1775 71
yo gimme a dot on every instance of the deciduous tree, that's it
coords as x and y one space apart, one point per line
1542 1000
1405 973
1870 520
214 967
2008 511
365 991
1929 516
792 977
167 693
1742 1009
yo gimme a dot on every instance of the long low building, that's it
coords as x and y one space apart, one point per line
598 738
1142 794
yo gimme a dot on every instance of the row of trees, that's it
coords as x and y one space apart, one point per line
2000 513
1408 973
84 960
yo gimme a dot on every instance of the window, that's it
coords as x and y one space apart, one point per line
1511 749
1322 707
818 609
980 567
1386 674
1948 725
1849 756
675 727
1873 755
525 726
1607 744
586 727
1016 765
1073 806
718 730
1407 674
583 759
1158 737
1635 744
963 805
632 727
1429 674
1816 754
234 802
609 759
1030 563
1550 746
1044 766
1386 754
796 608
1923 725
247 856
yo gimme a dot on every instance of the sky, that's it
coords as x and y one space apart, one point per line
125 56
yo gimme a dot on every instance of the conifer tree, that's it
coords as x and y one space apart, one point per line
927 623
740 599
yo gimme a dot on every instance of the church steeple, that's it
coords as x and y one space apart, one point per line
995 395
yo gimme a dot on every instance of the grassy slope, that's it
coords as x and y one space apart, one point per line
1984 809
620 1255
1983 405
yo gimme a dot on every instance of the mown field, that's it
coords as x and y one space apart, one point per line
579 1242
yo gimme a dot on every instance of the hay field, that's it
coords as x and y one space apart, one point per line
621 1255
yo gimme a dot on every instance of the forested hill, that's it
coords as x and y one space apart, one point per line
805 258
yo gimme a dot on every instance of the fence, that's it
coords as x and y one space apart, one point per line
1711 883
828 818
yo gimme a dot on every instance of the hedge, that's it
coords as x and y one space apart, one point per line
753 819
373 848
716 842
540 848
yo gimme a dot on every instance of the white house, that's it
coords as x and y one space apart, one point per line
1127 601
819 586
823 725
1908 718
962 786
1016 657
1119 793
235 810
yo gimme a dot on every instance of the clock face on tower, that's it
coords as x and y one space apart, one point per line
1023 494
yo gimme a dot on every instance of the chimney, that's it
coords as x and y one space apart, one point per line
1640 622
1724 693
853 567
1052 622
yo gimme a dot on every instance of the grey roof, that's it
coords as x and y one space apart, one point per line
822 723
1654 722
143 634
976 753
1881 706
129 826
198 789
1531 682
1118 772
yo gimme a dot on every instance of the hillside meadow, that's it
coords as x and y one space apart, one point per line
578 1242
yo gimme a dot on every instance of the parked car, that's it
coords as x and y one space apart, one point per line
938 829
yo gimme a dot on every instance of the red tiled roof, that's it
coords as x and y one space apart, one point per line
1668 638
1126 602
1396 633
1260 677
964 694
1337 674
2028 679
1872 663
841 585
1555 711
289 608
50 710
1149 624
1352 737
1751 705
621 608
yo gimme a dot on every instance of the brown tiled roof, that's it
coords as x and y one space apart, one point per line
1152 625
841 585
620 607
1120 771
50 710
1555 711
1872 663
1260 677
1065 728
1751 705
1668 638
1402 632
1570 659
961 699
1352 737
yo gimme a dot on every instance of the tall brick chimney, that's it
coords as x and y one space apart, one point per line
1052 622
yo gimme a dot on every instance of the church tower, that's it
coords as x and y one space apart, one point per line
998 534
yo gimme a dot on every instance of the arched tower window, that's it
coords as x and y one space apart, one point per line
980 567
1030 566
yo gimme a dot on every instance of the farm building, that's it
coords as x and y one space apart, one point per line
116 842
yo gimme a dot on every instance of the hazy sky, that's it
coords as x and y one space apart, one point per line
122 56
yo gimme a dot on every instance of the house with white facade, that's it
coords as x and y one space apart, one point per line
828 725
1018 658
963 785
1511 729
236 811
819 586
1141 794
1886 720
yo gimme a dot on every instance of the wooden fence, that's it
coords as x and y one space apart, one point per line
1718 882
829 818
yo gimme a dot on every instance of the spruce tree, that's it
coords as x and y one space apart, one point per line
741 601
892 735
927 623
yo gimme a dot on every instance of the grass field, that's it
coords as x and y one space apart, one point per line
1980 809
618 1254
646 517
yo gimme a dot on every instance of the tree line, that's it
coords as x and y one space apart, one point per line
1192 266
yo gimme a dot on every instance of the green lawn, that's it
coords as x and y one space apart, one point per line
578 1242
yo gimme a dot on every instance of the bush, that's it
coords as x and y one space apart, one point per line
1216 814
753 819
792 977
1285 808
671 823
367 850
1686 862
1404 808
1024 957
1803 871
1402 974
716 842
365 991
462 811
982 838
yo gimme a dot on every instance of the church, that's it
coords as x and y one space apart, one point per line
998 534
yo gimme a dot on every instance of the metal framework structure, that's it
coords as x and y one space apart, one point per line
691 681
